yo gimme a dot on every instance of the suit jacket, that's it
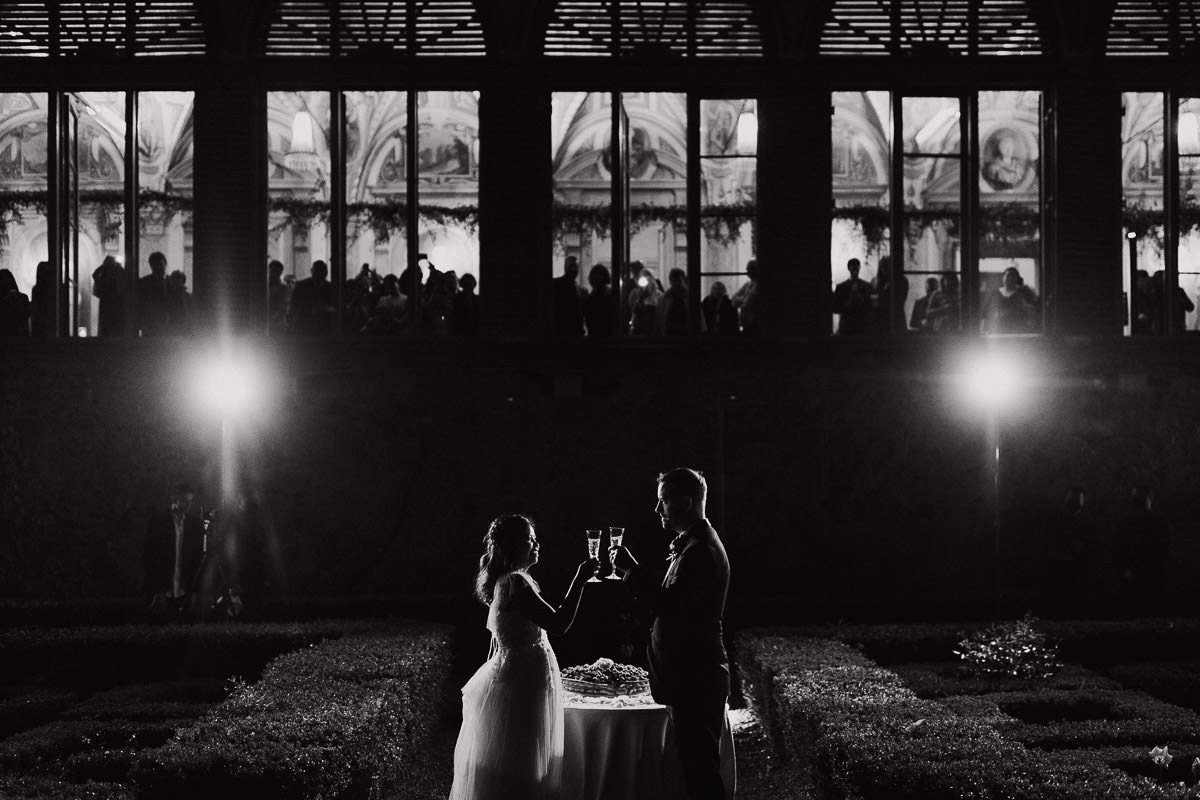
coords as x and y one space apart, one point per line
687 657
159 555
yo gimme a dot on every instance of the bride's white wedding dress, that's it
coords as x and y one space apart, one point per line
511 741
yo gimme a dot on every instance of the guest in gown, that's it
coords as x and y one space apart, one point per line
689 670
511 741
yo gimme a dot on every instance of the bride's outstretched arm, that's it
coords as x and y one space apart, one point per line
556 620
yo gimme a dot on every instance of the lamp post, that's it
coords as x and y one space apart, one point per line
994 381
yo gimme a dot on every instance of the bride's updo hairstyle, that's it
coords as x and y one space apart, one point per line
505 536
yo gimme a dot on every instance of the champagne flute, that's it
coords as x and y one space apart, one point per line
615 537
593 537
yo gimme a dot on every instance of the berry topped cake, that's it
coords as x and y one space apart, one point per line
607 678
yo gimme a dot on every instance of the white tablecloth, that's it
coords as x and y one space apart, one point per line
627 752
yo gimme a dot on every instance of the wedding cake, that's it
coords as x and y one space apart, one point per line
607 678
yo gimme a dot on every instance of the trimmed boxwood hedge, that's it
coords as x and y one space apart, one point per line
23 707
947 678
123 654
1097 644
1176 682
27 787
347 718
869 737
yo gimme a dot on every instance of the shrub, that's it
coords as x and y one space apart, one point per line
870 738
349 716
1016 649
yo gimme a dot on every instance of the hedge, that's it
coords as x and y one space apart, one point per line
25 787
868 737
1097 644
139 653
1176 682
350 717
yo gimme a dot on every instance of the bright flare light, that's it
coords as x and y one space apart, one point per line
994 380
231 381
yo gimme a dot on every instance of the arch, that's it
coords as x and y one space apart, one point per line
939 28
367 29
653 29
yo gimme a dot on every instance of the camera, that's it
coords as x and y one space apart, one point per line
208 518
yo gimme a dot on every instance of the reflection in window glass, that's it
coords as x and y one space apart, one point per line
1142 138
97 215
1010 269
1180 305
729 177
656 168
861 130
23 176
580 136
448 201
932 216
164 153
298 196
376 132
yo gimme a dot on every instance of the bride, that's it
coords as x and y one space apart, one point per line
511 741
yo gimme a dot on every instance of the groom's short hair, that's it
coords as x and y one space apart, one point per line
684 482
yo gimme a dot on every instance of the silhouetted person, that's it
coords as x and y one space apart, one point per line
852 301
673 307
179 303
235 574
1181 304
14 306
643 304
1072 557
689 669
717 309
173 551
943 314
919 320
279 296
1141 552
1143 304
312 309
465 319
108 286
567 300
44 307
153 304
1011 307
599 305
888 296
747 301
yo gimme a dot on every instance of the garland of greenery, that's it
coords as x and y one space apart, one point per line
721 223
1000 223
153 206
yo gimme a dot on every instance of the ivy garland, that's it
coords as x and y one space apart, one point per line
1000 223
153 206
384 219
721 223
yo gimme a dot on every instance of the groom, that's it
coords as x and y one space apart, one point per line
689 670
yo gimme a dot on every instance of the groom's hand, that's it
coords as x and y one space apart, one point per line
622 560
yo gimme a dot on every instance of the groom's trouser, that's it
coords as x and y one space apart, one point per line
699 724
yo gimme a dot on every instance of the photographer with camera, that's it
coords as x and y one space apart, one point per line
174 550
233 575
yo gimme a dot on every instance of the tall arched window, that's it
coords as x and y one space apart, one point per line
937 223
71 175
1160 170
659 189
380 185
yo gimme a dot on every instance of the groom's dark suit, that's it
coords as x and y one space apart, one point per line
689 669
